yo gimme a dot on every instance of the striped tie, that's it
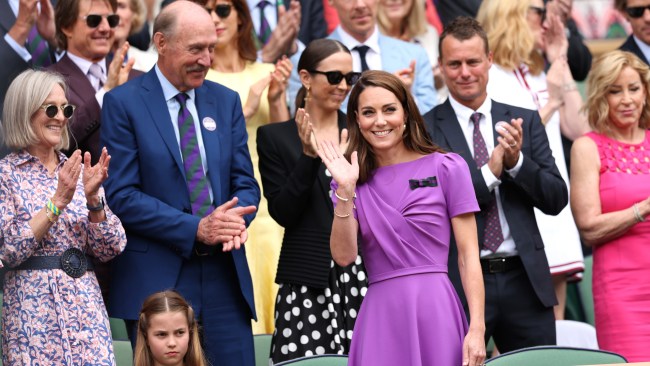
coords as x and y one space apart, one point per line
197 182
265 28
38 48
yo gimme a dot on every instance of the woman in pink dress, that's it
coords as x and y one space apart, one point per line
610 186
404 196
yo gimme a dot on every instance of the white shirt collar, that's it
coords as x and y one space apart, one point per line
350 42
464 113
169 90
84 64
644 47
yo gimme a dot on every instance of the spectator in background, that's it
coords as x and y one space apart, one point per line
610 193
132 19
27 31
405 20
372 50
637 14
168 332
296 185
513 172
280 26
86 30
182 183
52 220
261 87
517 39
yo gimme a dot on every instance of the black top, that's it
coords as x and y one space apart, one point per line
298 191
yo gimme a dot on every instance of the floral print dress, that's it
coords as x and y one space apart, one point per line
48 317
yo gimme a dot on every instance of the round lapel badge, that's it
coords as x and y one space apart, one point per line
209 124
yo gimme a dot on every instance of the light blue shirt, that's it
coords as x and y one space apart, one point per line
170 92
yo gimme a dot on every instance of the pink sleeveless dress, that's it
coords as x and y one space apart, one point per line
621 277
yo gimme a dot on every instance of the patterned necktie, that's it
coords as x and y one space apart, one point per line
96 71
265 28
38 48
362 50
492 235
197 182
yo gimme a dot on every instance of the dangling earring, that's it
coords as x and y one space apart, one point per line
308 95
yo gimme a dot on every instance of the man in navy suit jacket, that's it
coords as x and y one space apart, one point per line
168 246
519 175
637 12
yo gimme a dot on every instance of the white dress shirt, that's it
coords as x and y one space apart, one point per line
463 115
373 56
84 66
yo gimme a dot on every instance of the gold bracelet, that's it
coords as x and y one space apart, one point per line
341 216
637 214
51 217
343 199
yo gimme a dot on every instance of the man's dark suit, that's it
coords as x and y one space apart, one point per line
537 184
631 46
84 126
12 63
147 189
312 21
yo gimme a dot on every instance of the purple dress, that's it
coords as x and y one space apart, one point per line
411 314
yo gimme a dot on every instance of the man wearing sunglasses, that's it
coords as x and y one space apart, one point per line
85 29
181 180
637 12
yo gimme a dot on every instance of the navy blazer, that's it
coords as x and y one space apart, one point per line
538 184
631 46
147 189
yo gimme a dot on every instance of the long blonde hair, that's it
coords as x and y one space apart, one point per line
604 72
414 24
511 41
167 302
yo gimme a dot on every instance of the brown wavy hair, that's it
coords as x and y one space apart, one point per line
66 14
166 302
415 135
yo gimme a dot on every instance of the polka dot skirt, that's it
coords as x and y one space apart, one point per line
312 321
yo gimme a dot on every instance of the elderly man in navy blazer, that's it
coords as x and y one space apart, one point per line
181 180
513 171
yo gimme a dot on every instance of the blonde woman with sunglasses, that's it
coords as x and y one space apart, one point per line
53 220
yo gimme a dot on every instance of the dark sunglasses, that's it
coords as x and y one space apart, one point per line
636 11
222 10
541 12
93 20
335 77
51 110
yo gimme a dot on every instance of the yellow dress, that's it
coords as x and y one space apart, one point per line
264 234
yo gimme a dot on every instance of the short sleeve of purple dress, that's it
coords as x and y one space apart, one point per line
411 314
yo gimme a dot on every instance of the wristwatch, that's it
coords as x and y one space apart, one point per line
98 207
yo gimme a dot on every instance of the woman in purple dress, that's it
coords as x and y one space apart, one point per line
404 195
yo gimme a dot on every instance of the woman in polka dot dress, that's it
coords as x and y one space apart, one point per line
318 301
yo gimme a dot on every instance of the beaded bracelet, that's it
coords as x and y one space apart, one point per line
55 210
343 199
637 214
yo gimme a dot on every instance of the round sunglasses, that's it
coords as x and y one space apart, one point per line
51 110
93 20
222 10
636 11
335 77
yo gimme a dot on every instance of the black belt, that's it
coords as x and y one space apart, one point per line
503 264
73 262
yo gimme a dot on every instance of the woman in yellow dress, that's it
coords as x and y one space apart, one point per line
261 87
